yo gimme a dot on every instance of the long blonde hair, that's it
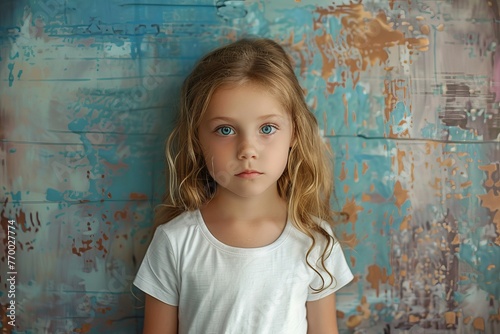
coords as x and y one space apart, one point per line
306 183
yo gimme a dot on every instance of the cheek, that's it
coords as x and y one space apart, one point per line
221 167
220 162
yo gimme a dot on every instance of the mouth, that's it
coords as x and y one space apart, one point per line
249 173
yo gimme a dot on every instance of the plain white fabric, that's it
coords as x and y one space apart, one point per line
223 289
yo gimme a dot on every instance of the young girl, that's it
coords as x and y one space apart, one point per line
248 247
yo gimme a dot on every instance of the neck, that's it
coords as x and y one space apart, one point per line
248 209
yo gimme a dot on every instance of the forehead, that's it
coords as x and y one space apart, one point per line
244 100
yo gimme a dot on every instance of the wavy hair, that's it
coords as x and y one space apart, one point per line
307 181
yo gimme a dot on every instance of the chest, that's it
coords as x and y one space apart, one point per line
215 275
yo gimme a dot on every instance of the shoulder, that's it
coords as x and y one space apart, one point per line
324 240
323 234
180 224
326 244
177 231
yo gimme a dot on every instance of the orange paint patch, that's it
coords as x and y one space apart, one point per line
354 321
325 46
490 170
400 154
400 194
120 215
138 196
413 318
450 318
390 100
478 323
446 162
371 35
495 317
365 168
80 250
84 329
376 276
491 201
424 29
352 209
405 223
466 184
437 183
343 173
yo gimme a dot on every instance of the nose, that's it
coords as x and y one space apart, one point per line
247 149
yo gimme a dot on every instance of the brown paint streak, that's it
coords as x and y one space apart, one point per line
120 214
450 318
400 194
365 168
405 223
400 154
325 46
80 250
478 323
32 224
352 209
343 173
101 247
84 329
376 276
138 196
390 100
6 327
425 29
490 170
370 34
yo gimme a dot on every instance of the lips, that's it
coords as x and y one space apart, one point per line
249 173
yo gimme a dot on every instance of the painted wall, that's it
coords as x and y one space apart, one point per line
406 93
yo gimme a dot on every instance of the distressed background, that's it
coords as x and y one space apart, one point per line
406 92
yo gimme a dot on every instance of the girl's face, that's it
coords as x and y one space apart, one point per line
245 136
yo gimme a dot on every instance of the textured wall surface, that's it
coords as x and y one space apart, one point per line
406 92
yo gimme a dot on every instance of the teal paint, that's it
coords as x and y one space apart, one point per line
92 133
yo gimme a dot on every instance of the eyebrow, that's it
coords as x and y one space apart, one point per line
229 119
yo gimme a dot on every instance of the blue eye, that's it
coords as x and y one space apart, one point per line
225 131
268 129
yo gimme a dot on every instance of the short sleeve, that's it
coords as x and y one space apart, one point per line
337 265
158 274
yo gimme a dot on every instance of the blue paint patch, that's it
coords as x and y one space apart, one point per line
78 125
54 195
10 66
16 197
16 55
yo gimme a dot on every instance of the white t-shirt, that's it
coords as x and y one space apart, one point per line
222 289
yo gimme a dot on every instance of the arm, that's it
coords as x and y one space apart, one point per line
159 317
322 316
